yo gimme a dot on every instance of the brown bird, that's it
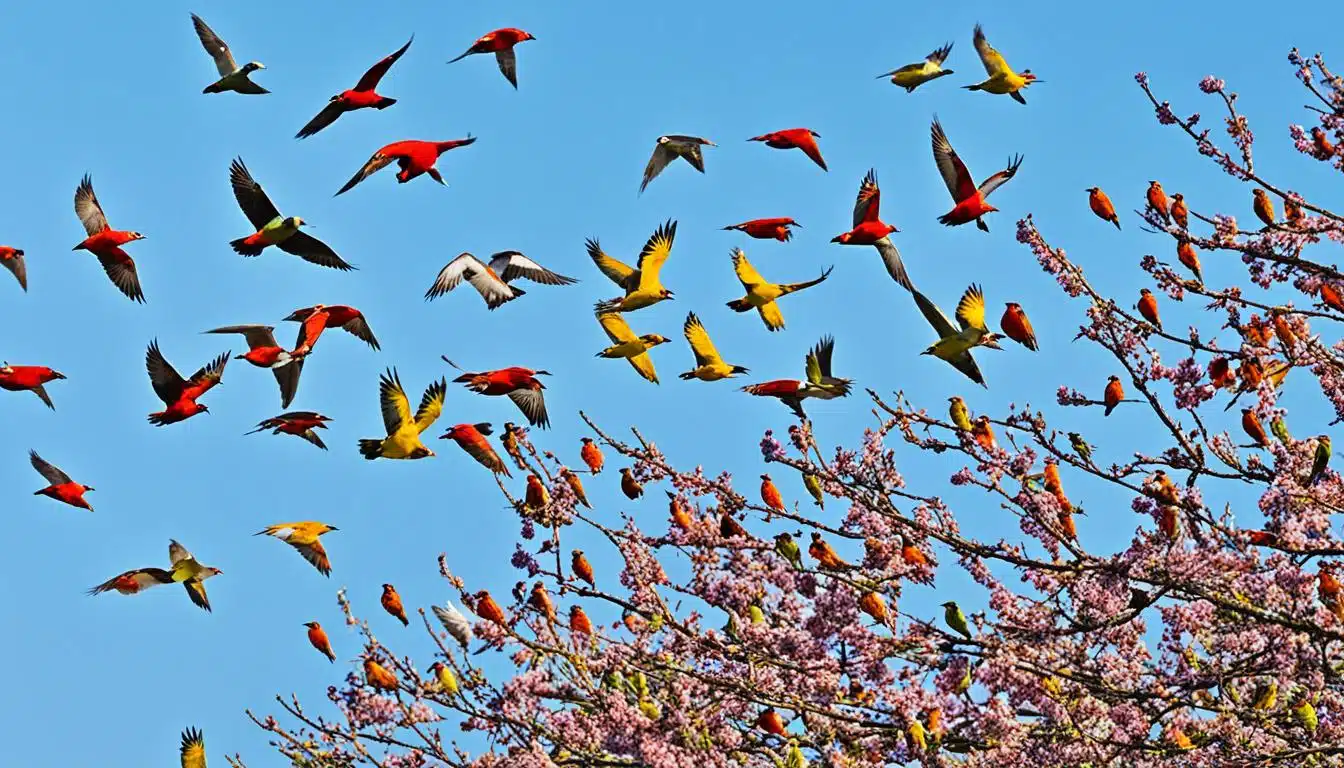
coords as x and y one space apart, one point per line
379 678
770 494
677 512
392 604
575 485
1264 207
540 599
592 456
1179 212
578 621
1251 423
824 555
629 485
1017 327
1292 211
1148 307
581 567
1115 393
318 637
730 528
485 606
1157 200
1101 205
1190 258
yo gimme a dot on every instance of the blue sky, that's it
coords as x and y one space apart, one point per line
115 91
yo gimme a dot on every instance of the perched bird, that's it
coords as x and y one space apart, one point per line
1264 207
1157 200
819 383
12 259
263 352
454 622
105 242
303 537
813 485
318 638
872 604
1292 211
413 159
403 429
761 295
472 439
770 722
272 228
1320 459
540 600
730 528
1080 447
788 549
193 749
180 395
677 513
1332 297
297 423
591 455
361 96
709 366
767 229
669 148
770 495
30 378
485 606
520 384
1179 212
1017 327
1101 205
493 280
1188 256
804 139
1250 423
392 604
1279 428
378 677
583 570
231 76
955 619
643 286
970 200
59 485
959 413
501 43
322 317
443 675
1002 79
825 556
629 485
1147 307
579 624
536 496
629 346
184 569
1321 142
510 441
911 76
954 345
1114 394
869 229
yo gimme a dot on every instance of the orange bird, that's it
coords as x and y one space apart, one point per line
983 433
1190 258
770 494
318 637
392 604
540 599
501 43
911 554
178 394
485 606
1220 373
414 158
629 485
321 317
12 259
1179 213
520 384
795 138
471 438
770 722
536 496
510 441
105 242
1148 307
762 229
1157 200
60 487
1322 142
379 678
824 555
17 378
970 201
1017 327
869 229
581 567
359 97
1329 590
1292 211
575 485
1251 424
872 604
1264 207
297 423
1115 393
578 621
729 527
1331 297
592 455
1101 205
263 352
677 513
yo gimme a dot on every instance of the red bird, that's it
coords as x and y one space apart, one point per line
321 317
1251 424
578 621
414 158
592 455
871 230
359 97
105 242
61 487
1148 307
177 394
1157 200
297 423
767 229
392 604
795 138
770 494
970 200
1180 212
500 42
471 438
318 637
263 352
1114 395
791 392
485 606
12 259
17 378
1017 327
520 384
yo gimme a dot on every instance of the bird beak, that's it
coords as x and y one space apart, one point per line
332 528
260 65
796 224
709 143
88 488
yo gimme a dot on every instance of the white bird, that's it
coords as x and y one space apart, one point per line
454 621
492 280
232 77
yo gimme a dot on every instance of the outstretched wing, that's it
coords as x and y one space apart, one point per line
327 116
941 325
317 555
431 405
891 259
532 402
313 251
821 355
510 265
940 55
46 469
869 197
196 591
167 382
358 326
16 265
370 79
701 345
177 553
618 272
250 196
655 253
508 65
745 272
193 743
998 179
661 156
971 309
991 58
396 407
120 269
643 365
206 377
216 47
617 329
255 335
955 175
378 162
87 207
287 377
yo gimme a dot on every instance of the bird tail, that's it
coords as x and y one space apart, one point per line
157 419
739 305
370 449
240 246
609 305
385 103
981 225
687 376
211 88
975 87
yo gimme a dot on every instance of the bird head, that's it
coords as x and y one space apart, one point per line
527 36
991 340
54 374
253 66
452 433
740 369
990 209
666 294
541 373
202 408
1092 190
766 478
312 625
1029 77
584 441
843 238
136 236
87 488
653 339
892 228
1114 379
1144 292
1013 305
295 221
328 528
337 97
949 604
214 571
783 538
387 588
421 452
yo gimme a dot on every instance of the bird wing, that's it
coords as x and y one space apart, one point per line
891 259
954 172
655 253
257 207
941 325
746 273
358 326
662 155
692 150
120 269
16 265
46 469
193 743
822 354
643 365
287 376
772 315
217 48
144 578
508 65
178 553
313 251
248 87
255 335
701 345
205 377
511 265
431 405
466 266
315 554
378 162
455 622
971 309
998 179
452 273
167 382
395 405
991 58
868 200
87 207
939 55
327 116
618 272
533 405
617 329
196 591
370 79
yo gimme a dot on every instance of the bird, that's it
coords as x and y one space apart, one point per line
361 96
59 485
579 623
392 604
576 485
12 259
643 286
819 383
1101 205
770 495
520 384
970 201
1148 307
500 42
1157 201
378 678
631 487
321 317
272 228
709 366
825 556
1113 395
318 638
403 429
231 76
1263 206
1017 327
629 346
30 378
193 749
1002 79
413 158
761 295
869 229
583 570
1250 423
472 439
804 139
444 677
591 455
959 413
105 242
303 537
669 148
956 619
536 496
454 622
1180 213
263 352
954 345
788 548
297 423
184 569
911 76
767 229
493 280
180 395
1320 459
1188 256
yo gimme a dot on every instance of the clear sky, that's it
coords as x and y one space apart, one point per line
115 91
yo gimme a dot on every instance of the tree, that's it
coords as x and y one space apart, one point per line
1211 637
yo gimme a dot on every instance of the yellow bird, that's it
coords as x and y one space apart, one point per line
303 537
1002 79
817 367
403 430
642 285
761 295
954 346
961 416
193 749
911 76
629 346
709 366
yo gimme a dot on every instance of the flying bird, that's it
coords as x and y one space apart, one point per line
795 138
455 622
413 158
643 286
317 637
193 749
303 537
472 439
105 242
403 429
12 259
501 43
272 228
520 384
1017 327
669 148
709 366
767 229
954 345
911 76
297 423
761 295
493 280
970 201
820 384
1002 79
629 346
184 569
59 485
361 96
263 352
869 229
31 378
322 317
178 394
1101 206
231 76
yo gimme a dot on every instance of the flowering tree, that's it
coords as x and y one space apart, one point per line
1212 637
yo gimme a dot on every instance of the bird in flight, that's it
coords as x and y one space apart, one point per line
669 148
297 423
59 485
869 229
493 280
361 96
804 139
31 378
767 229
183 569
970 200
472 439
272 228
954 344
1002 79
643 286
231 76
624 343
263 352
911 76
178 394
403 429
761 295
12 259
105 242
322 317
709 365
193 749
501 43
520 384
303 537
413 158
820 384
